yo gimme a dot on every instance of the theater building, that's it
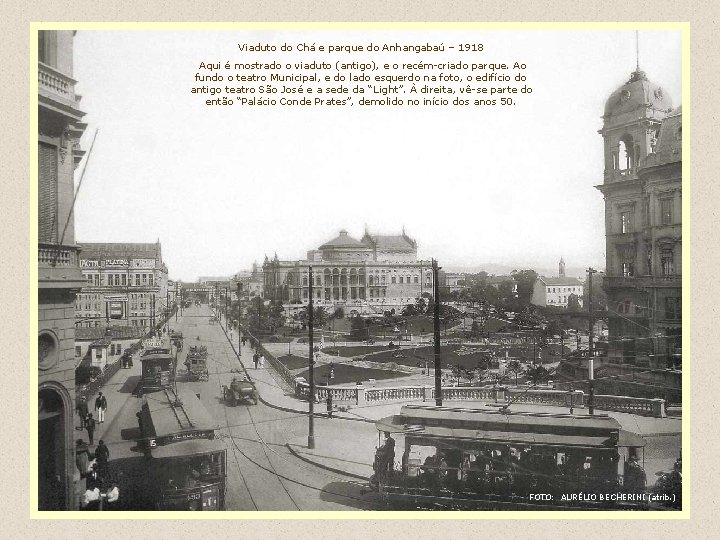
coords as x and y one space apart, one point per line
59 278
126 284
642 189
376 273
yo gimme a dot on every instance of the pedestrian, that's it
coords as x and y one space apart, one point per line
256 359
102 455
82 410
262 361
100 407
111 497
93 477
82 456
231 334
244 341
91 498
329 404
90 426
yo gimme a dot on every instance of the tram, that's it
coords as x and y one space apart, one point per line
475 459
185 467
158 369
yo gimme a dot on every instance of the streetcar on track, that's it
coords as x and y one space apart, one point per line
475 459
185 467
158 369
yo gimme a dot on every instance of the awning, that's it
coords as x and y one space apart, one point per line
628 438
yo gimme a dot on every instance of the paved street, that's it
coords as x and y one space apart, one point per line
262 472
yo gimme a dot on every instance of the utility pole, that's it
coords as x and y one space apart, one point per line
591 367
226 308
436 334
311 431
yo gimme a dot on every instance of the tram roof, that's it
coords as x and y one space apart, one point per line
506 426
432 414
163 414
187 448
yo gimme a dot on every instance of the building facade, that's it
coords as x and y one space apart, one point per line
376 273
125 285
59 277
556 291
642 189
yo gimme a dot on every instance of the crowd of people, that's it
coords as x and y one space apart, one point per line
93 465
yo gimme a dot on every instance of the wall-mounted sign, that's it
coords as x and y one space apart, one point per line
143 263
116 262
115 310
89 263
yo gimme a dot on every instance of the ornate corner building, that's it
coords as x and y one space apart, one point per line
642 189
59 277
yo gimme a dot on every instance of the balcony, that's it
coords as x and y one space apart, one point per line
58 267
56 91
673 281
53 256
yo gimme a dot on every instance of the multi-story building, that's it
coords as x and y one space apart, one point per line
125 285
59 277
451 282
556 291
375 273
642 189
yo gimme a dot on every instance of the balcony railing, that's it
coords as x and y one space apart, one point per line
643 281
54 82
50 256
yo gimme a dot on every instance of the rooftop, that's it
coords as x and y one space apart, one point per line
111 250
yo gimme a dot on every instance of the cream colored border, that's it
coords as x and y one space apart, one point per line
306 515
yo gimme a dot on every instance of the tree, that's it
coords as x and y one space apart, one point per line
538 374
498 378
525 284
358 328
421 305
339 313
409 310
515 368
573 302
457 372
319 317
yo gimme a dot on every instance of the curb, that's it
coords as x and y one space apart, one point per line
326 467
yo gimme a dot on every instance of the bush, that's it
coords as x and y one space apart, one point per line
84 374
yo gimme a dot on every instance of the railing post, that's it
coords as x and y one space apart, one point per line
658 408
360 394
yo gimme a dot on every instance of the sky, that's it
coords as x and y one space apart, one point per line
223 187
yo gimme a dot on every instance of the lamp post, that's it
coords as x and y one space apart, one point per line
591 370
311 430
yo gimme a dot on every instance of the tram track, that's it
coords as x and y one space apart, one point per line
267 450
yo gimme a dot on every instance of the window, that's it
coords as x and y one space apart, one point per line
124 278
392 280
401 279
112 349
118 348
97 280
382 280
673 308
137 280
625 227
666 211
305 281
417 280
666 258
47 47
150 280
98 353
78 351
627 269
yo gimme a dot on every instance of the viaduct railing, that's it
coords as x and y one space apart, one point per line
360 395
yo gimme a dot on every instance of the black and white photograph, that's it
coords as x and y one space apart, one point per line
359 268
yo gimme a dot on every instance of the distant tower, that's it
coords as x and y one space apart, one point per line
561 268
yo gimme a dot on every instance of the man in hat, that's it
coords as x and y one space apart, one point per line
90 426
102 455
101 407
82 410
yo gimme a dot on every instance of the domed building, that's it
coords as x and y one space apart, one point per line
376 273
642 189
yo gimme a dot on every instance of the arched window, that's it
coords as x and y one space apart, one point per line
626 161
